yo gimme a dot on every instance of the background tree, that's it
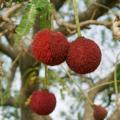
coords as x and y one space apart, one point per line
19 21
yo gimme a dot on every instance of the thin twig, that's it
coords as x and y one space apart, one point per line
115 81
1 87
12 71
100 85
9 11
73 27
4 32
75 3
85 94
46 77
105 7
101 5
93 15
1 70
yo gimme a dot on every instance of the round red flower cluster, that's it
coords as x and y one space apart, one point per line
42 102
52 48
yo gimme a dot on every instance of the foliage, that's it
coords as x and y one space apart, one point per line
26 22
40 4
28 19
45 17
45 10
58 79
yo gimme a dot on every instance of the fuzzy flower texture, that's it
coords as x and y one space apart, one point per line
42 102
84 56
99 112
50 47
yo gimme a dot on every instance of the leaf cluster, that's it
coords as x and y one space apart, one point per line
44 8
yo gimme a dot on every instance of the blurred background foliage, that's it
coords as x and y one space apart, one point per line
67 88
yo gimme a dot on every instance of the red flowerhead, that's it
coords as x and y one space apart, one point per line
99 112
42 102
50 47
84 56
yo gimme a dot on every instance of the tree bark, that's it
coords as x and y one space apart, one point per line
115 115
99 7
29 71
27 114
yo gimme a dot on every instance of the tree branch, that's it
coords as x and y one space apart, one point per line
11 75
8 50
100 10
71 28
115 115
88 114
86 15
58 3
27 114
9 11
10 102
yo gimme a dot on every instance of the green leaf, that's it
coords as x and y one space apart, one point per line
40 4
26 23
45 21
45 17
45 9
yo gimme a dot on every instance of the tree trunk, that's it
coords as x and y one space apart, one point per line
116 114
27 114
29 69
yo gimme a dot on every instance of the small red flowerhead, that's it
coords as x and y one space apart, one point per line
99 112
42 102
